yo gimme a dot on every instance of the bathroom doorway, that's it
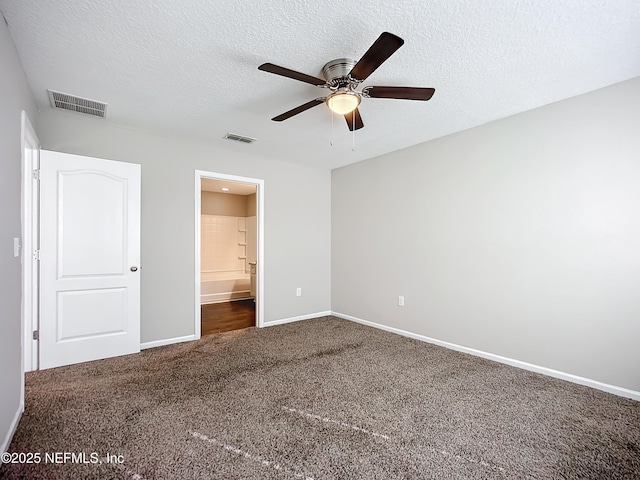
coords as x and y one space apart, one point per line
228 252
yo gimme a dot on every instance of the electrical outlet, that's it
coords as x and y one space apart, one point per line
298 292
400 301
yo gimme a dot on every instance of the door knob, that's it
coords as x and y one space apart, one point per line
134 269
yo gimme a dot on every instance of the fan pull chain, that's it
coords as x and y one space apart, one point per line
353 132
331 142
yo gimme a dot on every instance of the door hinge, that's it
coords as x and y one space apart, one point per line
36 174
36 334
36 255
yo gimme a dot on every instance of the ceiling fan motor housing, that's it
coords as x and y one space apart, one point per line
336 71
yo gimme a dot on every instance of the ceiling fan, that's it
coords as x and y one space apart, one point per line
343 76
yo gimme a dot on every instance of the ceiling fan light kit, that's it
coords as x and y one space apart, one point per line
343 102
343 76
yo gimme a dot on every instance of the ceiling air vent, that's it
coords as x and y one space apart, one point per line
239 138
77 104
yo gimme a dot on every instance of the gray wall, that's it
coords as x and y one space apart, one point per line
297 253
519 238
15 96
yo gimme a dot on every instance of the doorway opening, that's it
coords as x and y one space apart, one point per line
229 253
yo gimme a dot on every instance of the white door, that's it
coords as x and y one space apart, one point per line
89 259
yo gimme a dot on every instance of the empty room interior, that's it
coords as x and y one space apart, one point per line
329 240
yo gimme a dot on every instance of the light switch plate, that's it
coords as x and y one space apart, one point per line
16 247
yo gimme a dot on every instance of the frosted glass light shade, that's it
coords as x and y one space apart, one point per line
343 102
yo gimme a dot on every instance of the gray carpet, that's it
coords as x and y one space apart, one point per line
319 399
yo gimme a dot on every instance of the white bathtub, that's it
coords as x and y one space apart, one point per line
224 286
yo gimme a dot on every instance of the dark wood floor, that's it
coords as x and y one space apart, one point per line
226 316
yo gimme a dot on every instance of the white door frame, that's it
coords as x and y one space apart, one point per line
30 242
259 183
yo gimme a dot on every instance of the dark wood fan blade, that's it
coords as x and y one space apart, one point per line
298 110
354 120
286 72
402 93
382 48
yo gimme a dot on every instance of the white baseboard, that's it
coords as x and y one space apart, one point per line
189 338
12 428
621 391
296 319
167 341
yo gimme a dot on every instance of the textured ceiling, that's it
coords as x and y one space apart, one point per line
188 68
235 188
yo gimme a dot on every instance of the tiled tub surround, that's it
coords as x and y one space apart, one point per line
224 264
224 286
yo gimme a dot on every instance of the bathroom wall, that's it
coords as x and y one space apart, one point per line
214 203
251 205
252 239
252 228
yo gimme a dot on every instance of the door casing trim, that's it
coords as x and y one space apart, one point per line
259 183
29 214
